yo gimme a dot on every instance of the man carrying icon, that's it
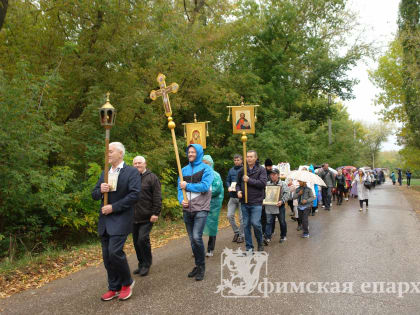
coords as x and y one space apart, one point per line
234 203
251 212
116 221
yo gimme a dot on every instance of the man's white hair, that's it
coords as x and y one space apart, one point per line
140 158
120 147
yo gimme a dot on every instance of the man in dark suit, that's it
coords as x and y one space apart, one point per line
116 220
146 213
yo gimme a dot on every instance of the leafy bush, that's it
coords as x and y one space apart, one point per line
170 205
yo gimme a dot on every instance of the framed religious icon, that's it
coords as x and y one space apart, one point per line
196 133
272 194
243 119
113 181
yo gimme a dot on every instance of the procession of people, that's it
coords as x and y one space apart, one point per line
131 197
259 194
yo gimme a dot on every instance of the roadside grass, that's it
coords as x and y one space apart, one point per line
31 272
414 181
412 194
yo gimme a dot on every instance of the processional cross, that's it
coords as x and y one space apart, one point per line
164 92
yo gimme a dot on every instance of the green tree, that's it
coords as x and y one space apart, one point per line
59 58
374 137
3 11
398 76
409 35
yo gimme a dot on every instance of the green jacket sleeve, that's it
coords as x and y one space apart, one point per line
217 186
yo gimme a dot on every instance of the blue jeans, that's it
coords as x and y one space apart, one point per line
282 220
251 215
195 222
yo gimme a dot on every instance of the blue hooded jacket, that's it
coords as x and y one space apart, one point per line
315 202
199 177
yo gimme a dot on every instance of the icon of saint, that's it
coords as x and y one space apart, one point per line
242 122
195 137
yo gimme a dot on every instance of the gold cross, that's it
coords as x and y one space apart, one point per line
164 91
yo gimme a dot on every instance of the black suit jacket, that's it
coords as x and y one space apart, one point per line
120 221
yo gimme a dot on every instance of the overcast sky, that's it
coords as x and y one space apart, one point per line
379 19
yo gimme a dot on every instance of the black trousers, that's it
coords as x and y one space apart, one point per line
211 244
326 196
290 203
340 194
303 217
141 239
264 222
361 203
115 261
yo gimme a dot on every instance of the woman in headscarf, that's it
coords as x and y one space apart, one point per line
316 192
340 183
362 181
347 188
212 222
353 191
314 189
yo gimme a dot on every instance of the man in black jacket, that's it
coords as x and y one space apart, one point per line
116 220
268 164
146 212
329 179
234 200
256 180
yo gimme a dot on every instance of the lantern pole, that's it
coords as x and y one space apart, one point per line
106 169
107 116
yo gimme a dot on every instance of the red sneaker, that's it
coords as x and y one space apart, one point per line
126 291
110 295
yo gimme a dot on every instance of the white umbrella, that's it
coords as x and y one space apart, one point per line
333 170
330 168
306 176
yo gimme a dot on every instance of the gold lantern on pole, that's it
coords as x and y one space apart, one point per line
107 114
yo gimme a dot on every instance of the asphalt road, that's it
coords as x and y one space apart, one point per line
382 245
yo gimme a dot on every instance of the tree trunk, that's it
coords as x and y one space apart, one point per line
329 132
3 10
198 5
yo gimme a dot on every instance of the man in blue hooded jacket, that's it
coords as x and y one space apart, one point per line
198 178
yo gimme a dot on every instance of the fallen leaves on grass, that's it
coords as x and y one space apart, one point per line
37 273
413 196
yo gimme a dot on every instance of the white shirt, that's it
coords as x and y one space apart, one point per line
117 169
113 176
